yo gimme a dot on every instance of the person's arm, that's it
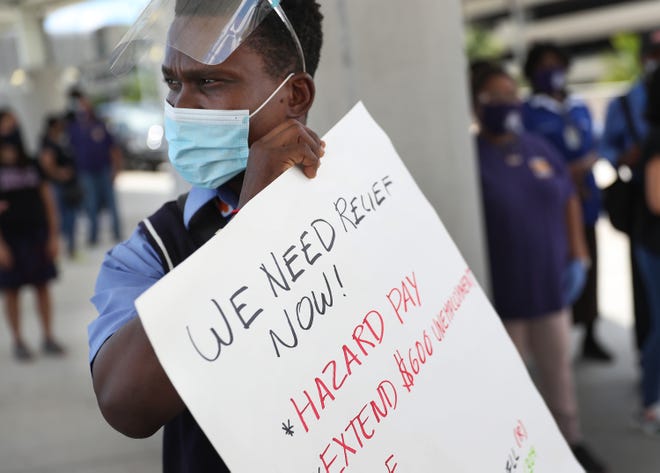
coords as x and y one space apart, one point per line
652 177
612 143
48 163
52 217
117 158
581 167
577 242
6 257
133 392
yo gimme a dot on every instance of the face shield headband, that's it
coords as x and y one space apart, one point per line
208 31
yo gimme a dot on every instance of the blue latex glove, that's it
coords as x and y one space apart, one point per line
573 280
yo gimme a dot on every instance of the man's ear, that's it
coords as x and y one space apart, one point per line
301 95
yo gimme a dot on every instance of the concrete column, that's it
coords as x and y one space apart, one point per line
406 62
33 88
40 94
31 47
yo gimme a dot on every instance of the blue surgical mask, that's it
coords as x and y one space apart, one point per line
209 147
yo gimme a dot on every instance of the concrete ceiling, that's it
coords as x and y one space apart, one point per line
473 9
634 15
11 9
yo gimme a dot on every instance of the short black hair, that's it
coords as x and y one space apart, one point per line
51 120
653 101
76 93
272 40
481 72
536 54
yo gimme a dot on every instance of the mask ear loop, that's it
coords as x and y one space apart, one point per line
278 9
272 95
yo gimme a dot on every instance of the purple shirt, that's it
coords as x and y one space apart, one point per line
525 187
91 144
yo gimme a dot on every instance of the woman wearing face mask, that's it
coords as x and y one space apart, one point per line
566 123
538 256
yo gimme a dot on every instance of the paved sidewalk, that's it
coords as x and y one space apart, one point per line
49 421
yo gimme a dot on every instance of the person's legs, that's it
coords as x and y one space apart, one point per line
548 341
12 311
68 216
44 306
640 301
649 265
67 220
517 330
585 309
91 203
550 344
111 203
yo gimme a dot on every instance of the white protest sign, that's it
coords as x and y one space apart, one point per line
333 326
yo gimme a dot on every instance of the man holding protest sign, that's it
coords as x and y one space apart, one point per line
240 87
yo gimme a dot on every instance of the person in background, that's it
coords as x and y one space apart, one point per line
59 167
646 234
621 144
98 160
28 237
566 123
538 254
10 131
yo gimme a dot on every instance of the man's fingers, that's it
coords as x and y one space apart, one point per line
292 131
305 135
301 154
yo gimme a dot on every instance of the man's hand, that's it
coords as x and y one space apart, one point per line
287 145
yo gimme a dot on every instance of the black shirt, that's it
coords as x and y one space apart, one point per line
20 189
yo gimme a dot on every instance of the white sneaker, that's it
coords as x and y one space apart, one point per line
649 426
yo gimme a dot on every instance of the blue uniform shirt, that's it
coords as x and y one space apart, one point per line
131 268
617 136
569 128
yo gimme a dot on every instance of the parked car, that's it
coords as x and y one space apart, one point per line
138 127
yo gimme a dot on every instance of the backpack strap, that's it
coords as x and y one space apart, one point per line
171 240
154 237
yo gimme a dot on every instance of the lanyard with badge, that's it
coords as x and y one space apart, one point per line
572 135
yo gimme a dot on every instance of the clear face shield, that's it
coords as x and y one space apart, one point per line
208 31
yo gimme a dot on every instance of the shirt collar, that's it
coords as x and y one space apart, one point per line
552 104
198 197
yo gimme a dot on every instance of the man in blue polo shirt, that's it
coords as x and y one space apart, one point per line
239 94
621 144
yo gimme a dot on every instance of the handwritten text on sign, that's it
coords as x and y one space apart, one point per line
333 326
